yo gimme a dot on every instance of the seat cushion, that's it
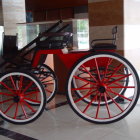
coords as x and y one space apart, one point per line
104 46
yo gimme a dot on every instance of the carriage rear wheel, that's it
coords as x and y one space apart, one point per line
102 87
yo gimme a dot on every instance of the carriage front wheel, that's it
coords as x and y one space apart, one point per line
100 79
17 90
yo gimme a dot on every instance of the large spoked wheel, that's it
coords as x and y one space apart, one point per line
49 80
17 90
102 87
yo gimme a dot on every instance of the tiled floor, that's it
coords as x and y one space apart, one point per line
61 123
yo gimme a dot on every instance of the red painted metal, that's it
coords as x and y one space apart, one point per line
32 109
23 109
68 59
88 94
6 94
119 79
107 107
7 87
11 105
122 96
89 73
90 104
11 78
115 102
97 111
84 80
28 86
117 68
31 93
6 101
16 112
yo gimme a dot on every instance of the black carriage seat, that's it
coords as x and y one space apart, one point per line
105 46
55 40
10 48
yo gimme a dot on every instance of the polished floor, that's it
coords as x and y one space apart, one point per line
61 123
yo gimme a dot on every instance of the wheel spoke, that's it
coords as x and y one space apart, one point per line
16 112
107 106
97 111
10 106
97 68
115 102
91 76
84 80
48 90
120 95
121 87
84 85
108 63
23 109
82 88
9 89
6 101
29 107
28 86
116 70
118 75
90 104
35 101
117 84
89 93
31 93
12 81
119 79
20 83
6 94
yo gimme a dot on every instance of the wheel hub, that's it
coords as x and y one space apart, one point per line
16 99
102 89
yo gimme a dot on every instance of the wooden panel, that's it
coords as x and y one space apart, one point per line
67 13
61 72
39 16
53 4
53 14
106 13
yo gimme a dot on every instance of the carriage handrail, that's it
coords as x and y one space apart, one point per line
113 39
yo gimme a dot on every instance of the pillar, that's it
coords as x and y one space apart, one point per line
132 31
103 16
13 12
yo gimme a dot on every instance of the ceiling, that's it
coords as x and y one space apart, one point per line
38 5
